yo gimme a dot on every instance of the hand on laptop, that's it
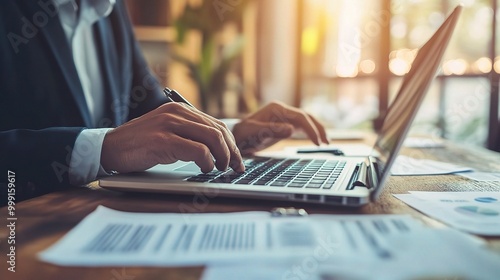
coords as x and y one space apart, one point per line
175 131
172 132
273 123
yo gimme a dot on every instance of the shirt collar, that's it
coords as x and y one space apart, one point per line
90 10
93 10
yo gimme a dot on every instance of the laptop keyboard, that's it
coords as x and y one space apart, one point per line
291 173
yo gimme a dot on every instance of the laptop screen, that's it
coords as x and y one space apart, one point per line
413 89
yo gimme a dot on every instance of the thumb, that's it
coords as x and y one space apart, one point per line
252 135
273 130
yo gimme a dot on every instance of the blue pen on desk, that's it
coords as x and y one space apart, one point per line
175 96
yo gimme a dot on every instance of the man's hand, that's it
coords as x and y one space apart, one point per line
171 132
273 123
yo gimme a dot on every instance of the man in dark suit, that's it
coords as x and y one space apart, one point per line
71 70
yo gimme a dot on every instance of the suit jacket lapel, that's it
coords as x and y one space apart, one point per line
59 46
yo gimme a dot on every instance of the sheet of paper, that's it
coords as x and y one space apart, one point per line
429 254
423 143
335 134
351 150
474 212
258 271
482 176
108 237
418 254
406 166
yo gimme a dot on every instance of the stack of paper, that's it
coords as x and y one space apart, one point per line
109 237
316 246
482 176
424 254
474 212
413 166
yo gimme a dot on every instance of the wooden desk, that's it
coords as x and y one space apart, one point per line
44 220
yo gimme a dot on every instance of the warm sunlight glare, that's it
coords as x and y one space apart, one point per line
310 41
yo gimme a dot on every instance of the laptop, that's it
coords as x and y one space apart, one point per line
347 181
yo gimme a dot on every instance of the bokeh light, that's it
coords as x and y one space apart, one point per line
496 66
399 66
455 67
367 66
347 71
483 65
310 40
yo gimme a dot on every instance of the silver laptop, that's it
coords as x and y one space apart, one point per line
336 181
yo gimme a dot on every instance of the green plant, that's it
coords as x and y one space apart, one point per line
216 60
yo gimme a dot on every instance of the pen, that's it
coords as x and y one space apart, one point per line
175 96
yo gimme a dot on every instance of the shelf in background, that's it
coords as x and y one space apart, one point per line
155 33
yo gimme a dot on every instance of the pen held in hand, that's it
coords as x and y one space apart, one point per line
175 96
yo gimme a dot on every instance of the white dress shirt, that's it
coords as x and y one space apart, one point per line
77 21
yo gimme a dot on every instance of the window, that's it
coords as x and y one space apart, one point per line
351 48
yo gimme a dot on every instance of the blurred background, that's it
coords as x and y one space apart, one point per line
340 60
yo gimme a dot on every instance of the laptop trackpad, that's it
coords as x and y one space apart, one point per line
189 167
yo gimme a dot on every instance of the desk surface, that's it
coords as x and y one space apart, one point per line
44 220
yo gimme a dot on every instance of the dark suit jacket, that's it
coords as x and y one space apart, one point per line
42 106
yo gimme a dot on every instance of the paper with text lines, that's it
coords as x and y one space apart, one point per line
108 237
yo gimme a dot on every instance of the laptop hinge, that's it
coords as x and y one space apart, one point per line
373 173
360 176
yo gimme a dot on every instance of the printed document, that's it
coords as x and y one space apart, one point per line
108 237
474 212
256 245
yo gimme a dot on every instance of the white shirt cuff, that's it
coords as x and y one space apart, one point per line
85 164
